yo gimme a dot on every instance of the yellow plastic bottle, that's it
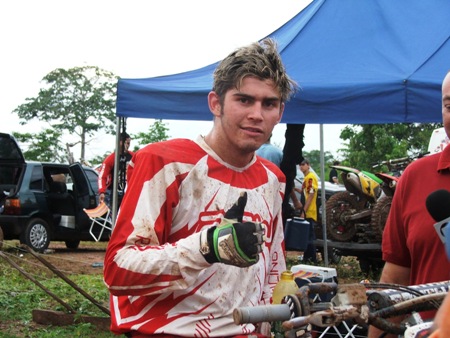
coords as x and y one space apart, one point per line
285 286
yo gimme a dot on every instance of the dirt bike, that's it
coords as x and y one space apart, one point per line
348 212
352 307
389 179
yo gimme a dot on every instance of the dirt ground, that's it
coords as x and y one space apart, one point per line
87 259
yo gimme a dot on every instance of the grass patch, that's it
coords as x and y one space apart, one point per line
19 297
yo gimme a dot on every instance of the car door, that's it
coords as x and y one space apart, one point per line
84 195
12 164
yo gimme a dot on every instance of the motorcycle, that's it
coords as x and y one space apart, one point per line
353 305
389 180
348 212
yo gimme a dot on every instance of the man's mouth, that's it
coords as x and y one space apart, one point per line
253 130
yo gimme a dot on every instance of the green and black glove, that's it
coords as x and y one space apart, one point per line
233 242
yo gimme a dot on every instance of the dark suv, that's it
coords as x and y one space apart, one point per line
40 202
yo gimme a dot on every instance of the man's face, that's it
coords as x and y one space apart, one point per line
126 144
304 168
446 104
247 116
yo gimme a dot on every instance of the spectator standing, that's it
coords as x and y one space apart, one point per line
309 190
188 244
334 178
411 248
292 156
106 173
270 152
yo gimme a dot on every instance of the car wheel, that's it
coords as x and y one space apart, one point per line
73 244
2 237
36 235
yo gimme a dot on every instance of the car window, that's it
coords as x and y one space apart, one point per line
37 178
8 174
93 179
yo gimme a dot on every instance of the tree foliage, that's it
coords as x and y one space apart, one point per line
42 147
78 101
373 143
156 132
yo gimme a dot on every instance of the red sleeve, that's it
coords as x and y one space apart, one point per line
105 174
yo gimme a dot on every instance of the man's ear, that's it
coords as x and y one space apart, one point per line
281 112
214 103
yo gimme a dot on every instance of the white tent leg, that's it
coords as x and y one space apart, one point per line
323 198
114 195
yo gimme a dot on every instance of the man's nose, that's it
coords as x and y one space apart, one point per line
256 111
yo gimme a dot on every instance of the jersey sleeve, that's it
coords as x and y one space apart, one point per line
105 173
139 260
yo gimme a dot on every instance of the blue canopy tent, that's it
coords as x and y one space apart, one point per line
372 61
357 62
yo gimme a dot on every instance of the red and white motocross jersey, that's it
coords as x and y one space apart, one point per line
159 281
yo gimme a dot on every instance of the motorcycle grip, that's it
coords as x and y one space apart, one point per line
259 314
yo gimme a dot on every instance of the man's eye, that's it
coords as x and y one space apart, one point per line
271 104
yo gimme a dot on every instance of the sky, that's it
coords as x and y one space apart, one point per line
133 39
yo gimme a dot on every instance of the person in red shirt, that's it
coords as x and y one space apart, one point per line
411 248
106 172
200 229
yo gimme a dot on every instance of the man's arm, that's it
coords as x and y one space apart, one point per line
394 274
308 202
441 325
297 204
104 176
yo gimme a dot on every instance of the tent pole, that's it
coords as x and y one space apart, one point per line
114 195
323 198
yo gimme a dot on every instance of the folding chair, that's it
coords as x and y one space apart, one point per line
101 216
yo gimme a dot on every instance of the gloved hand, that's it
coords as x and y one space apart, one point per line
233 242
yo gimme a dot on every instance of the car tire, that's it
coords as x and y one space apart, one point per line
72 244
36 235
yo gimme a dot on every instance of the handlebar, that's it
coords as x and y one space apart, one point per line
259 314
399 163
365 304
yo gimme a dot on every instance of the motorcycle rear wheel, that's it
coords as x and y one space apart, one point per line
380 214
339 206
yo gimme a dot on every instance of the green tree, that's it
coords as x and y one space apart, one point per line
373 143
156 132
77 101
98 159
42 147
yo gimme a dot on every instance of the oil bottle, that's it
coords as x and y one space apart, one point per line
285 286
